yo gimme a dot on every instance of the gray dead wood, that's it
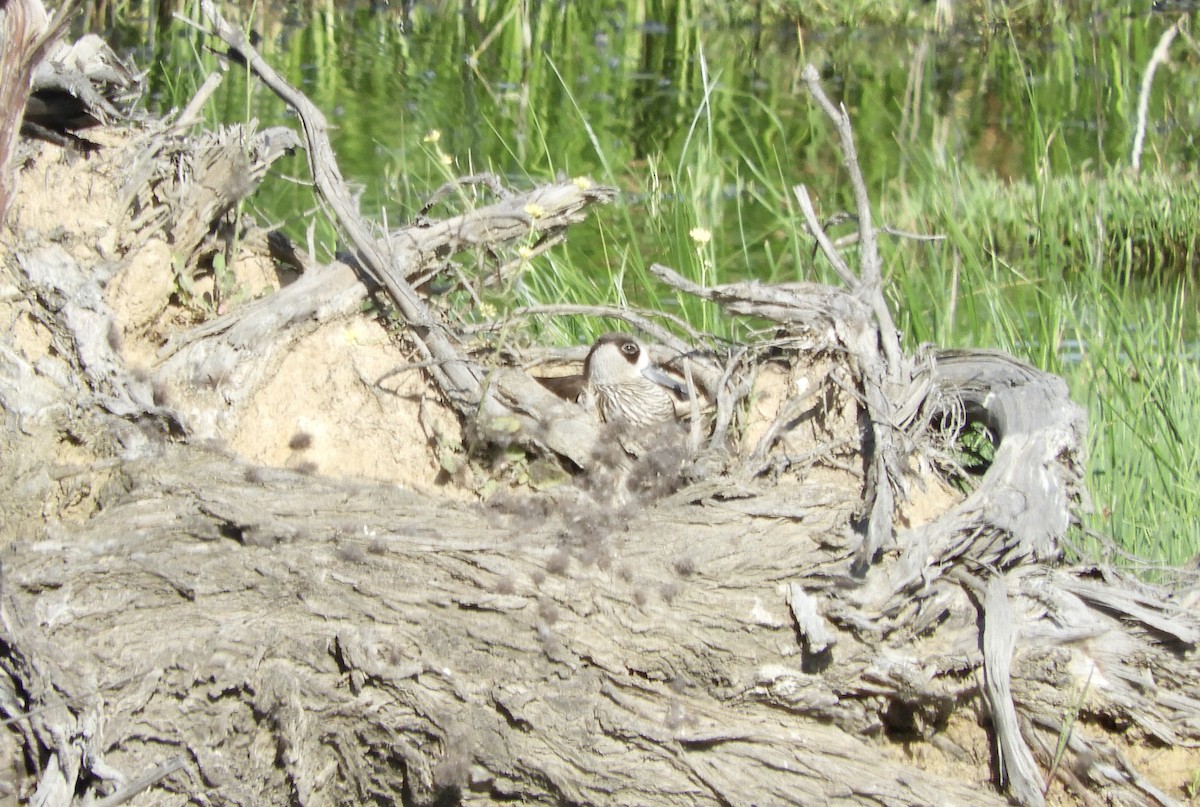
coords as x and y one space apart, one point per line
72 305
27 34
1016 763
391 261
1021 509
387 652
186 187
383 644
1023 506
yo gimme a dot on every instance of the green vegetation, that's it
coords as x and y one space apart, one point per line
1009 135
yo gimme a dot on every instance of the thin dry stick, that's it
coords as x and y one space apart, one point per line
190 115
639 319
136 786
728 398
852 238
882 456
489 181
694 435
870 270
1158 57
511 268
898 233
870 284
457 377
818 232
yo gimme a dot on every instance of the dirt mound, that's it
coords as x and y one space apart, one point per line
322 409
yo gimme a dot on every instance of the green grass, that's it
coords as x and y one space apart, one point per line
928 15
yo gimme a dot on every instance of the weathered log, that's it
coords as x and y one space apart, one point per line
184 186
345 642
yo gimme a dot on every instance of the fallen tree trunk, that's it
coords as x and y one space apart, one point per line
338 642
347 644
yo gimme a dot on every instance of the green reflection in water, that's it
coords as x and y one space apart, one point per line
598 88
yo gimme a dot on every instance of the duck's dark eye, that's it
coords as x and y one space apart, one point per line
630 348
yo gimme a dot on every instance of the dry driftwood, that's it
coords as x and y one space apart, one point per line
330 642
238 635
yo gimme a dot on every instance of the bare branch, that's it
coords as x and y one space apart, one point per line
818 232
870 285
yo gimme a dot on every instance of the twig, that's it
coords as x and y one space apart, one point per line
637 318
191 113
401 370
463 382
898 233
694 435
885 460
489 181
825 454
728 398
791 410
543 245
143 782
818 232
1159 56
870 284
870 270
852 238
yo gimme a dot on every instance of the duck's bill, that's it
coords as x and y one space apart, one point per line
658 376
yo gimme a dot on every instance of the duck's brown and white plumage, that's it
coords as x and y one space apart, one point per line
642 445
624 385
621 384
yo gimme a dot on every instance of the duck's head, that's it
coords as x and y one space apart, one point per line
625 384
